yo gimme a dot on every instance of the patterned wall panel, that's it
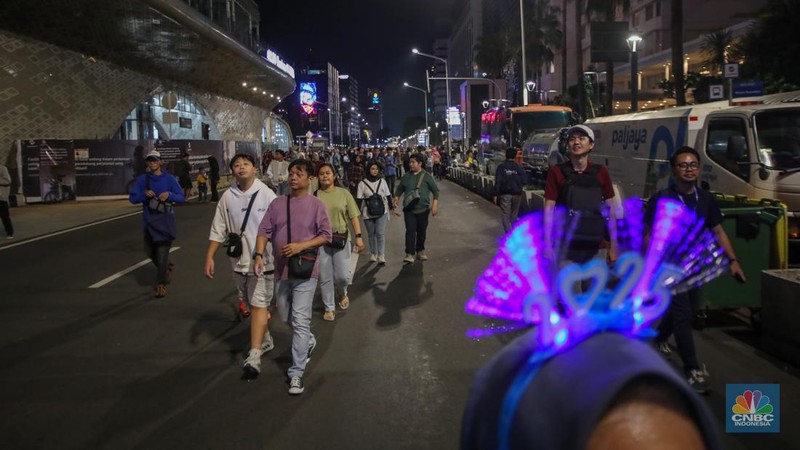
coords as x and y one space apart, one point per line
50 92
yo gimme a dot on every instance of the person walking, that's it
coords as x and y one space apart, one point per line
236 220
581 187
296 225
278 173
213 177
157 191
416 189
334 258
390 170
183 170
375 196
202 185
5 192
508 182
677 321
355 174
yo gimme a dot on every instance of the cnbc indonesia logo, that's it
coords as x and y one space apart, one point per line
753 411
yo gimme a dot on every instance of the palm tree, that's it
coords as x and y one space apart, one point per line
492 52
716 47
676 38
606 10
543 36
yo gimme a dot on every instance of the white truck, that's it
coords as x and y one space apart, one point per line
751 149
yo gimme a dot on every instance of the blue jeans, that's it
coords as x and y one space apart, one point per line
334 272
158 252
294 298
376 231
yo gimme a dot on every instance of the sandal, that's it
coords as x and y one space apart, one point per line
344 303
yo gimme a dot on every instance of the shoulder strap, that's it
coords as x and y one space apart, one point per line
421 178
370 187
247 214
288 221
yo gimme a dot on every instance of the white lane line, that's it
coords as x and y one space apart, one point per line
130 269
69 230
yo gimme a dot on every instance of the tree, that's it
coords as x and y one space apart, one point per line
492 52
676 38
543 36
606 10
770 48
717 48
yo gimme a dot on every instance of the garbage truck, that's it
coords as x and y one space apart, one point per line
750 148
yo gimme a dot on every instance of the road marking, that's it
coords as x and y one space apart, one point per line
56 233
130 269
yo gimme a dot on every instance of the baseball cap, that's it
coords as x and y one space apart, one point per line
581 129
153 154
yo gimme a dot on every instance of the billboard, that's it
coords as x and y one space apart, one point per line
308 98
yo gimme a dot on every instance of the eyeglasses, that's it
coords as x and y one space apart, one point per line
687 166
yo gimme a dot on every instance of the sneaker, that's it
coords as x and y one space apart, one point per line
381 259
268 343
330 316
252 365
373 257
10 237
698 379
665 350
311 348
422 256
160 290
344 303
296 386
409 259
243 309
170 268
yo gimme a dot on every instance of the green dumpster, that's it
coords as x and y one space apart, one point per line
753 231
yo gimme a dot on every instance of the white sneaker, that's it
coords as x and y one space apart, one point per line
268 343
409 259
296 386
252 365
373 257
381 259
698 379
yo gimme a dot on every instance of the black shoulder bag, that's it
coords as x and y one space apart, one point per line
234 242
301 265
160 220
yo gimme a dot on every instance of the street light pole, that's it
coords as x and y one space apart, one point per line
524 70
425 96
447 88
633 42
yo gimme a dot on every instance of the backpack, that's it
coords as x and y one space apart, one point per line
583 194
375 206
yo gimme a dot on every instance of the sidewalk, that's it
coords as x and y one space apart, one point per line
36 220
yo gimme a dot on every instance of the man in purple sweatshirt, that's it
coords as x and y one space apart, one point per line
310 229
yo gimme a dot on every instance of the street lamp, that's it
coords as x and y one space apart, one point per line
522 35
447 88
425 96
633 43
529 87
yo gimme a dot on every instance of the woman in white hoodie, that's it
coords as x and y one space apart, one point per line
248 193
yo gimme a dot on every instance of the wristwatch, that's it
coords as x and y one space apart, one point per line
258 254
358 235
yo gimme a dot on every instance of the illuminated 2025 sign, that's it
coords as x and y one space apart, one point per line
308 98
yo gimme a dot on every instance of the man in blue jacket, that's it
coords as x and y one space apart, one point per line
157 191
508 182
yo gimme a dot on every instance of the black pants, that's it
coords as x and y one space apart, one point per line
416 231
678 321
6 218
214 193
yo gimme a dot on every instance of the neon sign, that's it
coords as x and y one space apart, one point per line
308 98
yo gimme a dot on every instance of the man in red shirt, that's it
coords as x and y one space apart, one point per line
583 187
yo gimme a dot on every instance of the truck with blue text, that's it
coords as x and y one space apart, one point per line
751 148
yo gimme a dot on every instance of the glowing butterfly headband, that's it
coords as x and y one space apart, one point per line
523 284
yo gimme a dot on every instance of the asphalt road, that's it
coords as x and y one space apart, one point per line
113 367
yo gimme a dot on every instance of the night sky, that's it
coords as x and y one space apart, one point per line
368 39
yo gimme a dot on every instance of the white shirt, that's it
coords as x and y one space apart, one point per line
381 187
228 218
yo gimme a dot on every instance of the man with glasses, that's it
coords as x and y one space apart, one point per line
685 163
